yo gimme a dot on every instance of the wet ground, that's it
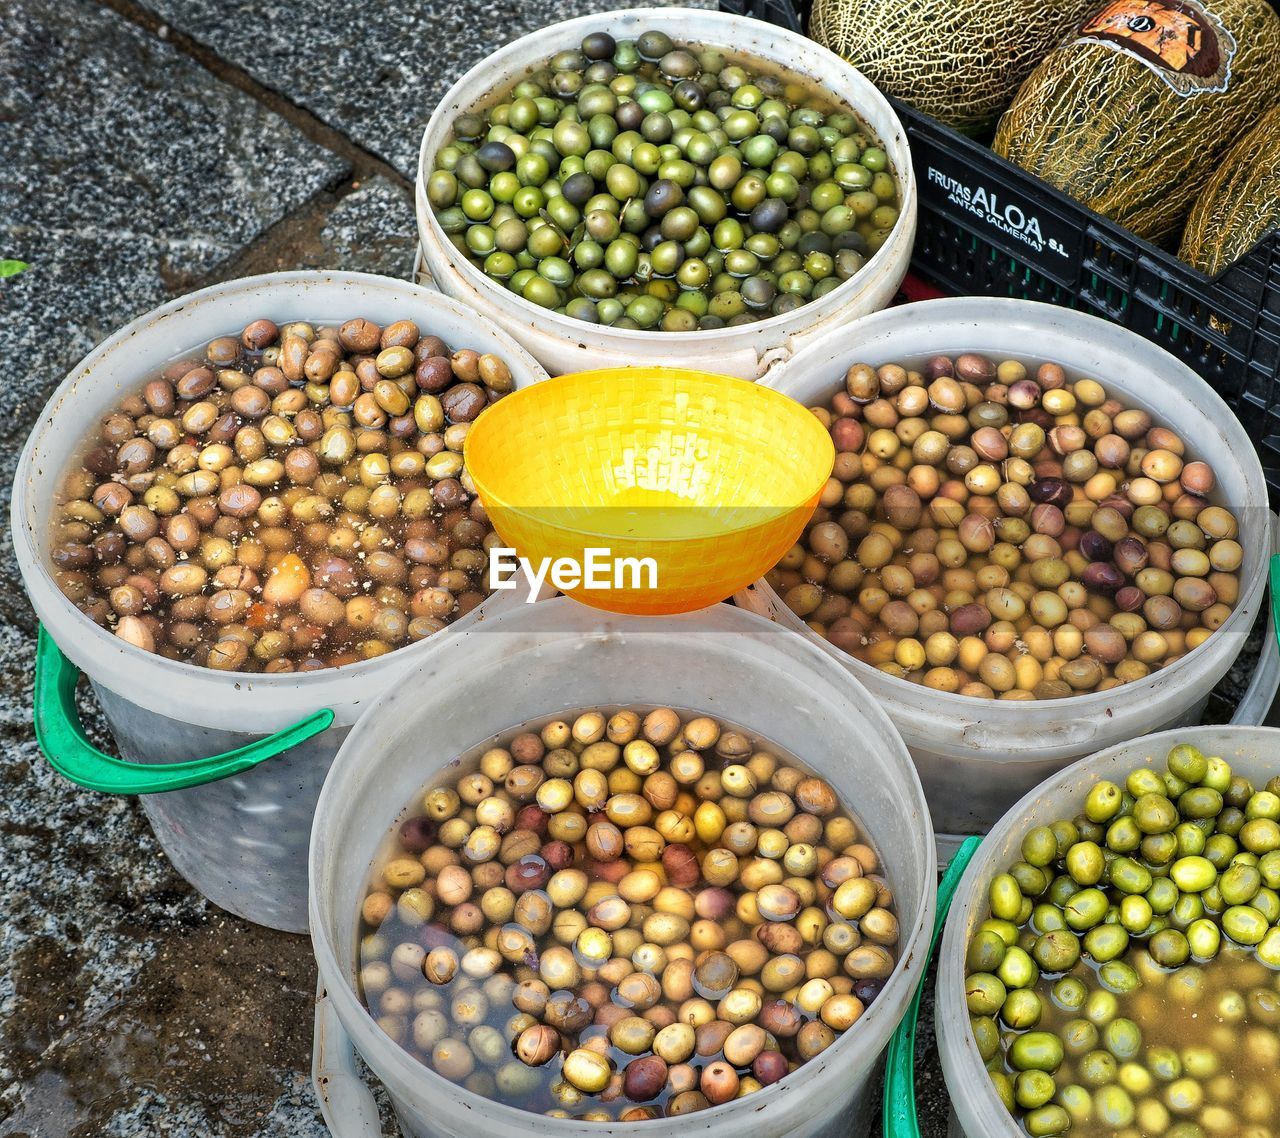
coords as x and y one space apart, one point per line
151 148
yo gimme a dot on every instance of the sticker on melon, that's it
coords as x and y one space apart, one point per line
1180 40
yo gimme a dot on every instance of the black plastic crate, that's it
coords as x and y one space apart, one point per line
988 228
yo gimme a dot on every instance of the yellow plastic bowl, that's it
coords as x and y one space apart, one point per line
712 478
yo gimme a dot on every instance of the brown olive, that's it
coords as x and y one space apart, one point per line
974 482
688 985
538 1045
234 458
644 1078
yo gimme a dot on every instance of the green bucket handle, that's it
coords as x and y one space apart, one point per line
65 745
899 1119
1275 594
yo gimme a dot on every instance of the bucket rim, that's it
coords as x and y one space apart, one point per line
80 638
350 763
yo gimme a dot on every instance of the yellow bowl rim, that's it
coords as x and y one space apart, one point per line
770 396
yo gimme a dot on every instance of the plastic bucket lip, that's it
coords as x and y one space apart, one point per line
963 1069
809 58
367 1036
1008 310
55 609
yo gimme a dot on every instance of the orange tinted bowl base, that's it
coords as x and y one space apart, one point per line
713 478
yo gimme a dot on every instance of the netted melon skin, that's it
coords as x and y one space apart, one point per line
959 61
1106 129
1239 203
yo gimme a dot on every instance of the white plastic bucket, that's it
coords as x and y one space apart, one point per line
240 841
550 659
1252 751
563 344
977 756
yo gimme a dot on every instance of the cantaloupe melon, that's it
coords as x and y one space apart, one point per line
1239 203
960 61
1130 116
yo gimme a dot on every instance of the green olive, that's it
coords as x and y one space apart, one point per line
1056 951
1187 985
1244 924
1230 821
1169 948
1097 1069
986 951
1079 1037
1123 1038
1021 1010
1003 1087
1163 895
1085 863
1268 949
1047 1121
1077 1102
1070 993
1017 969
984 994
1200 802
1183 1096
1263 1008
1190 837
1005 897
1136 914
1113 1107
1101 1007
1064 887
1163 1062
1119 977
1212 900
1032 1089
1124 835
1159 849
1085 909
1155 814
1129 876
1188 909
1221 848
1036 1051
1260 836
1066 833
1269 867
1046 918
1239 884
1193 874
986 1035
1103 802
1218 774
1187 763
1031 881
1007 931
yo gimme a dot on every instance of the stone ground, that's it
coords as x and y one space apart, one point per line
152 148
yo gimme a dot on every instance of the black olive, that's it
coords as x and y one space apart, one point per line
665 195
578 188
653 45
599 45
689 95
769 216
496 156
758 293
629 115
